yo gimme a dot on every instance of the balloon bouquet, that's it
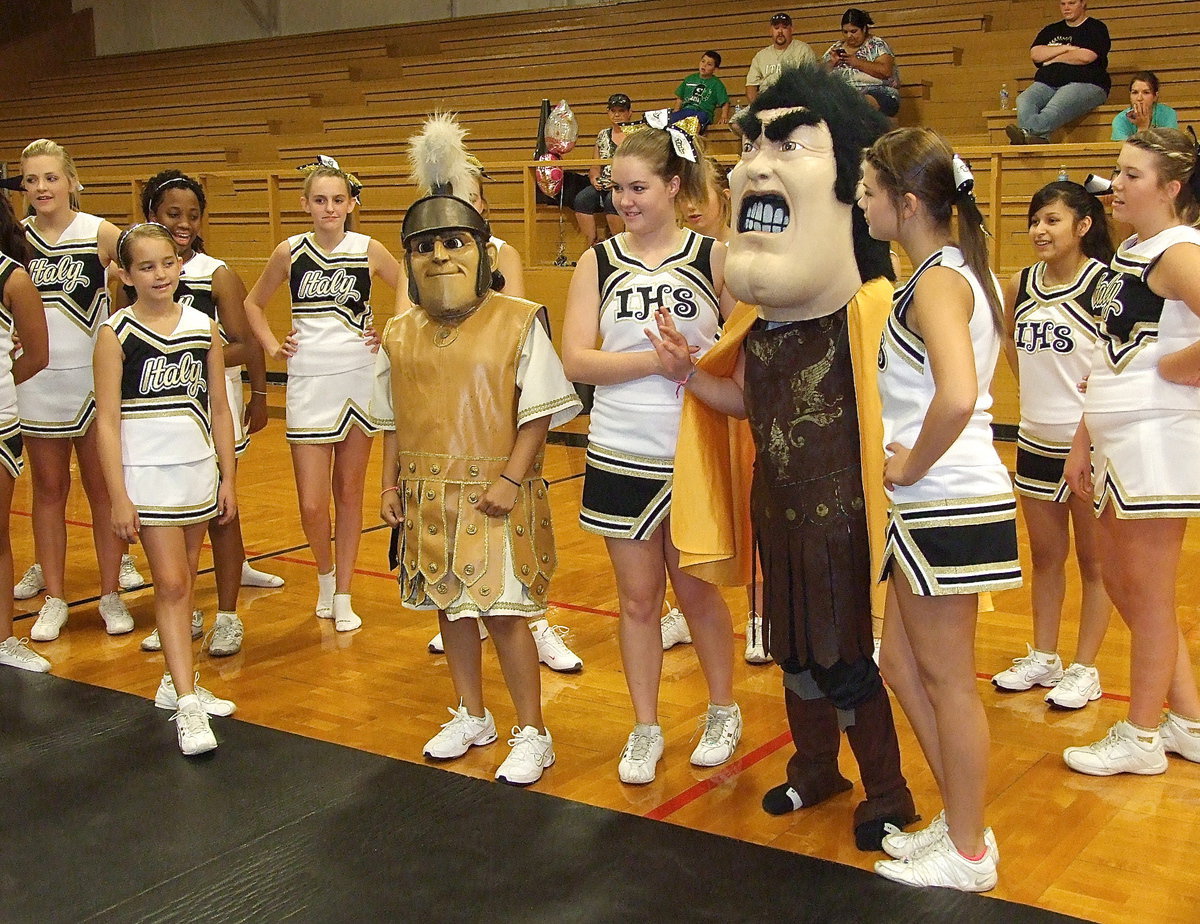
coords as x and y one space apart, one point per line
557 132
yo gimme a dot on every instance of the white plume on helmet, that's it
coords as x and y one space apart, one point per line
439 161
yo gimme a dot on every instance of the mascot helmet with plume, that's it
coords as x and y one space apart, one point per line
441 166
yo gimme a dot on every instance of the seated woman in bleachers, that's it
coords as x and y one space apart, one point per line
1145 111
866 62
596 198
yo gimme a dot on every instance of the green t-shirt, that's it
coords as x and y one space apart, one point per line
705 93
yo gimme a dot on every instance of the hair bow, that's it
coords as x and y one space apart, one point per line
681 142
1098 185
324 160
964 179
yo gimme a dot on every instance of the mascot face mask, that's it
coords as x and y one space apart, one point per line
445 267
792 235
448 256
798 250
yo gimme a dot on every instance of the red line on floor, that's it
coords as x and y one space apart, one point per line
83 523
724 775
1116 697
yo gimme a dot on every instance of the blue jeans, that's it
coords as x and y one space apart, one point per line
1041 109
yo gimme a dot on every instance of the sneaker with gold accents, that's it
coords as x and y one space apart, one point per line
1125 749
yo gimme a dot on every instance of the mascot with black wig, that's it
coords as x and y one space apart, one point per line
797 360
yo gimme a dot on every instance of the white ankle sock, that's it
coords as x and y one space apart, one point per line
326 585
344 617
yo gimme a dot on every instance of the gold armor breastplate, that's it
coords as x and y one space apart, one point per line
455 401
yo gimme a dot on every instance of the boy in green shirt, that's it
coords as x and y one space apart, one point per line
701 93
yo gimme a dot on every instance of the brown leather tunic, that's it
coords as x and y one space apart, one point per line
806 500
455 401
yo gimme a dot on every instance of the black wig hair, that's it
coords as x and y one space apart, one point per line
854 126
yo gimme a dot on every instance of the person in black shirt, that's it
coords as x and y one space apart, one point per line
1071 57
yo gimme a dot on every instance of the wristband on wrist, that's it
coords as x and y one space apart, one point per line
394 487
511 481
253 392
680 383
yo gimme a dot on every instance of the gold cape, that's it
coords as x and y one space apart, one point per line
715 455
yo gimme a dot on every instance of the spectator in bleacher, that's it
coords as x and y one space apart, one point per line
866 62
701 93
1071 57
783 50
1145 111
597 198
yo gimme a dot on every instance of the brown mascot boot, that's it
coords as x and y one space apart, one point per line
812 772
889 801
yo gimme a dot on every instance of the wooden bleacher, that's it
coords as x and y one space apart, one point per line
244 115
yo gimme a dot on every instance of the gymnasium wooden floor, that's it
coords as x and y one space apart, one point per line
1107 849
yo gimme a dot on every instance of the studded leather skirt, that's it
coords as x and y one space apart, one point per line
806 501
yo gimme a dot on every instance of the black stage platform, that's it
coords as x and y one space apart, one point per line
102 819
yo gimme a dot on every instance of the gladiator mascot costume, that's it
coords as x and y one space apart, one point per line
451 376
815 293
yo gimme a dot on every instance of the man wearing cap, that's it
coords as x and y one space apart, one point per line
597 196
783 50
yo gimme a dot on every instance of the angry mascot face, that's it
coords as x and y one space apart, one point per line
800 247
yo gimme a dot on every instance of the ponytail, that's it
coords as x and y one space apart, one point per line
921 162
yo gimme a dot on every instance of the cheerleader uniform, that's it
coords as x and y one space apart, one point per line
954 531
10 421
331 376
1055 335
60 401
1145 430
634 425
195 291
167 448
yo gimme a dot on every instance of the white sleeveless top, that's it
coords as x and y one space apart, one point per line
641 417
165 390
1138 328
906 387
1055 335
74 288
331 304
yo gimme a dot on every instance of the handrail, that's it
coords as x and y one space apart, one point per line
996 161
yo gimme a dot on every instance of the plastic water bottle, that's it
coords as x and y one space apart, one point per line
1063 176
1004 98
